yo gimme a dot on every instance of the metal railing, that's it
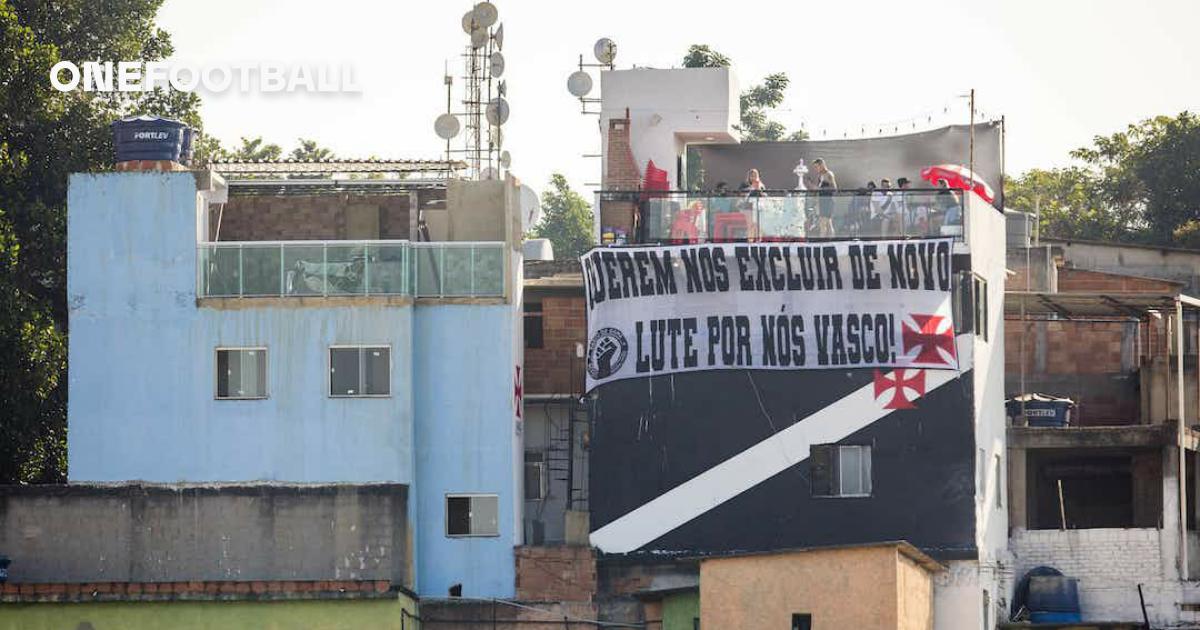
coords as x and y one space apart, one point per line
697 217
350 268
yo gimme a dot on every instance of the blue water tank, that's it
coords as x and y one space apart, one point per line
152 138
1053 598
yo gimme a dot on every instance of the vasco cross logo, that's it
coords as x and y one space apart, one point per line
606 353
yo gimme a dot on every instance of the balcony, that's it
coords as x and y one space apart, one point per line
785 215
350 269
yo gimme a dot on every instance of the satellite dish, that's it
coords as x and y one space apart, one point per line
531 208
498 37
605 50
497 64
489 173
497 111
446 126
505 159
479 37
469 23
485 14
579 83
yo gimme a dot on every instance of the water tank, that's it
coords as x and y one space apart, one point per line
152 138
1053 599
538 249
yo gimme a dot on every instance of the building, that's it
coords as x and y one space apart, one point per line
890 585
1110 497
308 323
708 463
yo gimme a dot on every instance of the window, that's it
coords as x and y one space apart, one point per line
999 472
801 621
360 371
241 373
535 476
981 307
840 471
533 325
472 515
962 304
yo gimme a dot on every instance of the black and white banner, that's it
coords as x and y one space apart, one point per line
774 306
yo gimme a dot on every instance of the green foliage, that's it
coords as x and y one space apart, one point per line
1141 184
44 136
755 102
310 151
253 149
566 220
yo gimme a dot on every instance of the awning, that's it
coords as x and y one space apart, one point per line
1140 305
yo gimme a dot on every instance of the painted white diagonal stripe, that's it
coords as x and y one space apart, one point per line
748 468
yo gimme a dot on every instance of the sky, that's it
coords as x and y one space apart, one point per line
1060 71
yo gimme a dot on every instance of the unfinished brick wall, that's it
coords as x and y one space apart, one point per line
554 368
1086 281
555 574
292 218
1093 362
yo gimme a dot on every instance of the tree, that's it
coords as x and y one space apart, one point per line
755 102
566 220
1141 184
253 150
44 136
310 151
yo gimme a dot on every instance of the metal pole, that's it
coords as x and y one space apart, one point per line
1180 435
971 164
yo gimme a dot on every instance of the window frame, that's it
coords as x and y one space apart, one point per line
836 469
526 316
543 475
870 470
217 374
979 305
468 495
361 375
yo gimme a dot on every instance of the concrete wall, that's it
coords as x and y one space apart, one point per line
142 356
142 378
1180 265
468 440
680 610
840 588
669 109
166 534
984 227
546 431
1109 564
322 615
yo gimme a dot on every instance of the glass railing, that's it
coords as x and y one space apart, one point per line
350 268
691 217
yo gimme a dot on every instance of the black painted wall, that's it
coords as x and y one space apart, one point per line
649 435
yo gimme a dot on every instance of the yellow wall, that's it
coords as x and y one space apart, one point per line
211 615
841 588
915 590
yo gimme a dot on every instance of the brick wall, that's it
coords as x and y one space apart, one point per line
555 574
1093 362
1109 564
553 368
621 173
1072 280
266 218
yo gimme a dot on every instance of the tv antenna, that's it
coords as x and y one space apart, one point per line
484 106
580 83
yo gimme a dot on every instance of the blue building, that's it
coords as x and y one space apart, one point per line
313 327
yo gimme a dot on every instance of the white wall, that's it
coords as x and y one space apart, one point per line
669 109
1109 564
